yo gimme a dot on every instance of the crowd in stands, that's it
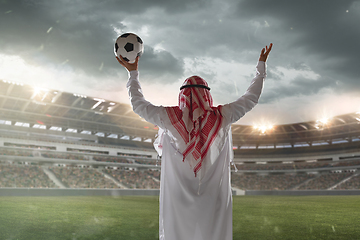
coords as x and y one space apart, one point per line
268 182
33 176
38 153
28 152
347 163
29 146
29 176
126 160
325 181
21 175
295 165
134 145
352 183
15 152
73 156
75 177
111 159
134 179
154 173
64 156
148 161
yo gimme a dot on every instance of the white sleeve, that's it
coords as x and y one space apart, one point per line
146 110
232 112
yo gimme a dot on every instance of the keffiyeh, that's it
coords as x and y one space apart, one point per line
196 121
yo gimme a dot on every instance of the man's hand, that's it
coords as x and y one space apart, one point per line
129 66
265 53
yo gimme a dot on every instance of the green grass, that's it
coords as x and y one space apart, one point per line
254 217
306 217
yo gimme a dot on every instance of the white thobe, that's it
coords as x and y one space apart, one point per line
190 208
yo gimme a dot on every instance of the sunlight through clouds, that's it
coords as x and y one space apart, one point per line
312 62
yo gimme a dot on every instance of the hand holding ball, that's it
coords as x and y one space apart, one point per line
129 46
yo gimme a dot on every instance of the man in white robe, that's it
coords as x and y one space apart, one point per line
195 143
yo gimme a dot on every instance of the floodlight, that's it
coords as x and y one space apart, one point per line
322 123
38 90
79 95
263 128
323 120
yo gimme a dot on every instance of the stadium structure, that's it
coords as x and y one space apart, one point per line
59 140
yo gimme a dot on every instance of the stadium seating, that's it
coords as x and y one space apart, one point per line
20 176
89 144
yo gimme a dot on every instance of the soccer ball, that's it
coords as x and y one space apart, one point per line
129 46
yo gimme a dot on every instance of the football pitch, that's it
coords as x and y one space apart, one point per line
136 217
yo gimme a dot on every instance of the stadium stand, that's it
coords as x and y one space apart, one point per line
24 176
351 183
54 139
325 181
268 182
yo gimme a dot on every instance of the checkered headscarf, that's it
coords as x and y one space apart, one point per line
196 120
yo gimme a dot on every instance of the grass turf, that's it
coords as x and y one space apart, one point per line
254 217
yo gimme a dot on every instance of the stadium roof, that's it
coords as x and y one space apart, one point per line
68 112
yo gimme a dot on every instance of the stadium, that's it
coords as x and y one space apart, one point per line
57 143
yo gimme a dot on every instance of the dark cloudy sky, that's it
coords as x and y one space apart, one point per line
313 70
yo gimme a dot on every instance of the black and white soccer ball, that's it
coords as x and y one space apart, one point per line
129 46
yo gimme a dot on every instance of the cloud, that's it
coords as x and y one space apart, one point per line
160 66
321 36
314 50
77 34
300 87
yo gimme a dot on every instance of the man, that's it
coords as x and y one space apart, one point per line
195 143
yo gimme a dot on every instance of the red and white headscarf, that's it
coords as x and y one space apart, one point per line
196 121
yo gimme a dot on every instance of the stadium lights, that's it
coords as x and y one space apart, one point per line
12 82
79 95
322 123
38 90
323 120
263 128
